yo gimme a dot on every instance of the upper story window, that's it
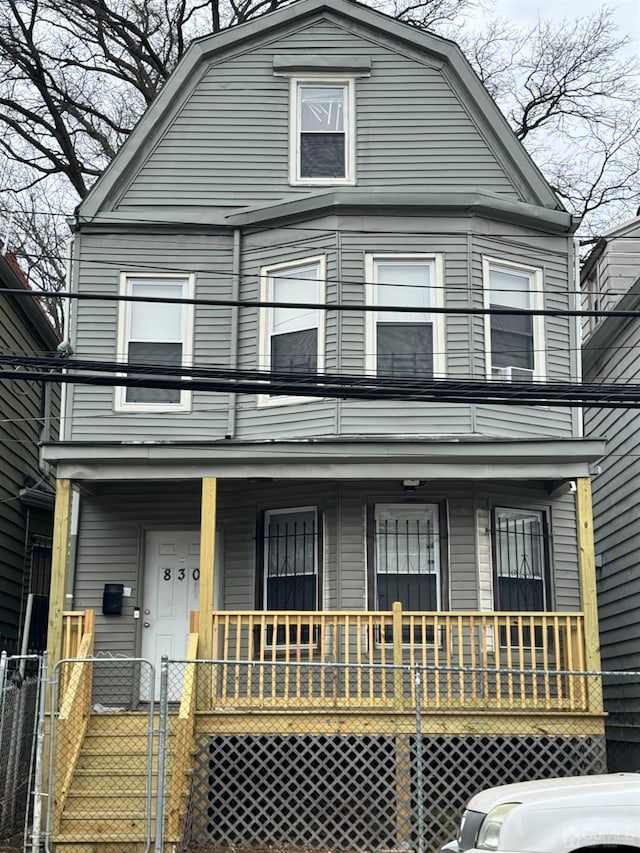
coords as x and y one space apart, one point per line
514 342
292 339
405 343
155 333
322 132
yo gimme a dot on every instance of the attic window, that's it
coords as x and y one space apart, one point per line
322 131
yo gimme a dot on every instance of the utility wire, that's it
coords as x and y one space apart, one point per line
333 306
345 386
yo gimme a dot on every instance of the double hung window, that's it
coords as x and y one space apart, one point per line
292 339
515 341
322 143
155 333
404 343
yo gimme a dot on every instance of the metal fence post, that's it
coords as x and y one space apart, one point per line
163 712
420 828
39 762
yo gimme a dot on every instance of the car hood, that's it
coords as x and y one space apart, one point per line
558 789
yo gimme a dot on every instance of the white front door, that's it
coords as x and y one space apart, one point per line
171 582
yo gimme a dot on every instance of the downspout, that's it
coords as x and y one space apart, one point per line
233 345
73 549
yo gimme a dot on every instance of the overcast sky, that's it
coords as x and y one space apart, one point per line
627 12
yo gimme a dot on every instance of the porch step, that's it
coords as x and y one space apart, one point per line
107 798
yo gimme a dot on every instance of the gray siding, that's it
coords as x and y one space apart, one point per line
617 505
616 508
20 427
344 243
613 272
113 521
228 144
101 260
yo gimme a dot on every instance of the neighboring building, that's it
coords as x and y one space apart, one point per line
26 492
611 279
327 154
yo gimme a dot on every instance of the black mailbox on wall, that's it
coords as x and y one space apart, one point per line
112 599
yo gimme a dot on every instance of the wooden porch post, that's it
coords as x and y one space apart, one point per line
59 565
588 594
207 566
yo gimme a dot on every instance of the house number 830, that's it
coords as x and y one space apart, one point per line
181 574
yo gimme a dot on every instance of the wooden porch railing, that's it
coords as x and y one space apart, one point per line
472 661
74 701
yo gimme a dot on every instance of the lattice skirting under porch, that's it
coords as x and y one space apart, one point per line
361 793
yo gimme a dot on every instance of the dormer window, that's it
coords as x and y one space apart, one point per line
322 150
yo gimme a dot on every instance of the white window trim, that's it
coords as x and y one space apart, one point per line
439 336
537 304
120 402
264 324
348 82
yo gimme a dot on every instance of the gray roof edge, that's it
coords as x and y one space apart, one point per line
473 202
202 49
465 451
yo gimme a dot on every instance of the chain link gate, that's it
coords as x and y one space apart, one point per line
22 691
103 751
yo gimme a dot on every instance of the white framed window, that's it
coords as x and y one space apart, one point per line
322 130
291 340
155 333
405 343
514 343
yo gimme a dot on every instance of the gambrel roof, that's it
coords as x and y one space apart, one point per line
189 110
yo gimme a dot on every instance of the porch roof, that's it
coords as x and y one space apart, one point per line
432 458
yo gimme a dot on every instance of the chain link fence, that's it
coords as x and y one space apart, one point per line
284 756
21 692
381 759
103 751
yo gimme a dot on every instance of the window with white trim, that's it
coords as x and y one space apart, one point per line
155 333
322 149
405 343
514 342
292 339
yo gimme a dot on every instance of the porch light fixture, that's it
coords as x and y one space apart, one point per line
410 485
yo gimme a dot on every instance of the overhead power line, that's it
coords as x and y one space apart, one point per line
332 306
344 386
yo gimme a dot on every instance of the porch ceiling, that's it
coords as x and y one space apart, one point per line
462 458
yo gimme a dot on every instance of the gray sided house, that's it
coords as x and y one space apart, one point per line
611 279
325 192
26 494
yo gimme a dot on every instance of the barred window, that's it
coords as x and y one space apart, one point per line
521 563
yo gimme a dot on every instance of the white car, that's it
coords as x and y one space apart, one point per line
589 814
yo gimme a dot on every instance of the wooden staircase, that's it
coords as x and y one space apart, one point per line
107 806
